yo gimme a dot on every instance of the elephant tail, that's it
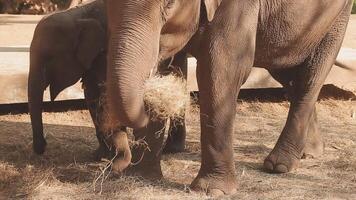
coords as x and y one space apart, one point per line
36 86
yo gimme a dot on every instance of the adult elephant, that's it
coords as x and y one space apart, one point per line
297 41
71 45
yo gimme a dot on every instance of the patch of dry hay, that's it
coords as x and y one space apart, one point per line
67 171
166 97
8 173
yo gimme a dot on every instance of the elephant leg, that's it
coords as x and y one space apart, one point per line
314 146
223 66
92 93
37 83
175 142
146 153
310 77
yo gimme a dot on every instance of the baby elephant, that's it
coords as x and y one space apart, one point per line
68 46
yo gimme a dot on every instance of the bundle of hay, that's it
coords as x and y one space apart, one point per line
166 97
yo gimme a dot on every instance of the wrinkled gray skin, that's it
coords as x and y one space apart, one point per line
296 41
60 55
69 46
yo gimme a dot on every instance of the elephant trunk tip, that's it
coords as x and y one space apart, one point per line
121 143
130 114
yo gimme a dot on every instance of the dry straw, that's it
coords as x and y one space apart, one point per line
166 97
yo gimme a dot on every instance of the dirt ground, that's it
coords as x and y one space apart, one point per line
67 171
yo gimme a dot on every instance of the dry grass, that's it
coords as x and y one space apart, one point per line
166 97
67 171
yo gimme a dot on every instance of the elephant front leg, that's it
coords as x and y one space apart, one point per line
175 142
217 172
147 151
93 92
222 69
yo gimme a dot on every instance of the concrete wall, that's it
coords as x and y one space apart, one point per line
16 34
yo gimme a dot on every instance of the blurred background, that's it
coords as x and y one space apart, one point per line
47 6
35 6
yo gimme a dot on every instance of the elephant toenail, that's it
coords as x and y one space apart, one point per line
280 168
268 165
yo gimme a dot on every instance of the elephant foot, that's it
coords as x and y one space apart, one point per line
214 185
175 142
283 158
39 146
313 149
150 172
174 147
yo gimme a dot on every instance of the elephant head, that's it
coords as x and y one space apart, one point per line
142 33
61 51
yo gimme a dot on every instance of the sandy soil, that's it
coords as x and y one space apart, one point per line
350 37
66 171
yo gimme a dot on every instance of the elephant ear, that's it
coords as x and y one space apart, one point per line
211 7
88 43
91 41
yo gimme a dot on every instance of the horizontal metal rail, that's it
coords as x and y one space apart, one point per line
14 49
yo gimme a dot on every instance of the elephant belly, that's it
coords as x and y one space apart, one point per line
290 31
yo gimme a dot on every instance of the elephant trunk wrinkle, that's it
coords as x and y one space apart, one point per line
132 54
125 86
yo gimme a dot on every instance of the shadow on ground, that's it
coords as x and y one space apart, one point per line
68 147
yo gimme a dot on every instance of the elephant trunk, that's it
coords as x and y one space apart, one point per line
122 145
133 52
36 87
